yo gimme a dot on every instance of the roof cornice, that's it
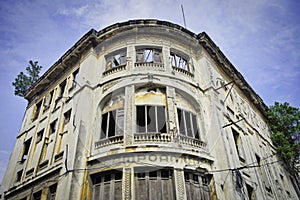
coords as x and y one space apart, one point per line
92 38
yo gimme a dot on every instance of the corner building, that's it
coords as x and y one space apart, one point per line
145 109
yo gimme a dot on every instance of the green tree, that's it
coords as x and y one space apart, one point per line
285 125
24 81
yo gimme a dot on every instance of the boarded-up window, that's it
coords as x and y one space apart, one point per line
107 185
154 184
187 123
151 119
196 186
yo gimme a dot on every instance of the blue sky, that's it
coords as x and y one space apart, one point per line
260 38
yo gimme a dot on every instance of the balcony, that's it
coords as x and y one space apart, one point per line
114 70
183 71
152 138
109 141
191 142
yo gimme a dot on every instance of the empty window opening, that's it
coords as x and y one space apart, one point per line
48 100
116 60
148 55
112 123
67 116
37 110
19 175
187 123
238 145
39 136
37 195
62 87
26 147
178 61
74 77
53 127
151 119
52 192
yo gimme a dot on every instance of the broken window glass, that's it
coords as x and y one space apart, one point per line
151 119
116 60
187 123
112 123
179 61
148 55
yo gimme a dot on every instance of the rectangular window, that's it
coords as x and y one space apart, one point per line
178 61
19 175
112 123
107 185
74 79
238 145
187 124
62 87
148 55
52 192
116 60
37 195
67 116
154 184
151 119
196 186
37 110
48 100
26 147
39 136
53 127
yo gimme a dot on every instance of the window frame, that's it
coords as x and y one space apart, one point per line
192 121
116 59
149 55
26 148
146 111
115 114
179 61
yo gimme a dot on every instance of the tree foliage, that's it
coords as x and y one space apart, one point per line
285 125
24 81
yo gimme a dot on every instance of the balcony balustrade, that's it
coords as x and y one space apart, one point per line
149 65
114 70
109 141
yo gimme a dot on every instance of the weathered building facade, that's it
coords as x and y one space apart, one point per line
145 109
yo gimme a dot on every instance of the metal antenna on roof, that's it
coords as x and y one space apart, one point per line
183 16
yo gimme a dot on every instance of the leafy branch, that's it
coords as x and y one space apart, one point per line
23 81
